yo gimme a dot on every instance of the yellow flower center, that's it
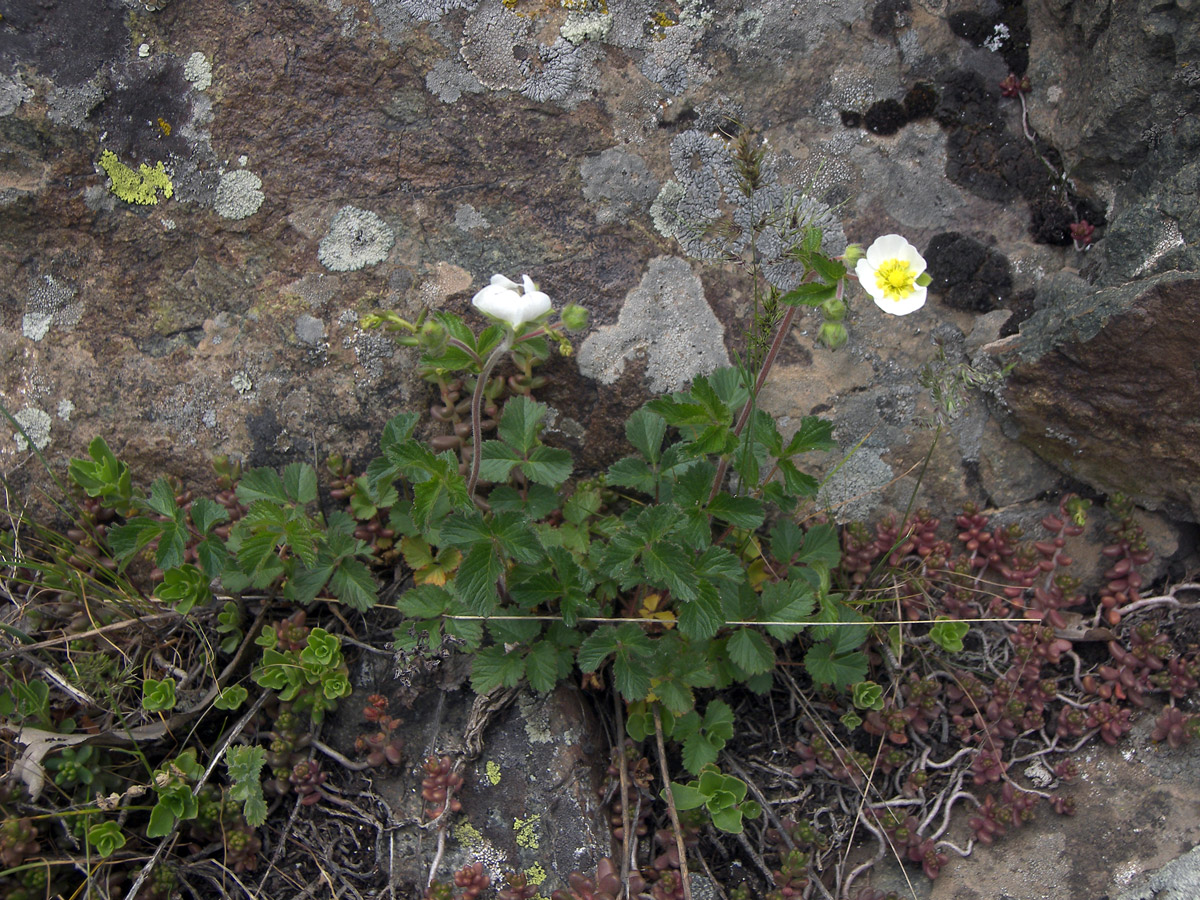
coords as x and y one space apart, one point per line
895 278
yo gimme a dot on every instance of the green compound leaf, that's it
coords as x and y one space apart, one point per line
645 430
814 433
548 465
353 584
826 666
245 767
475 582
750 652
300 483
207 513
261 484
821 546
543 666
520 423
494 666
949 635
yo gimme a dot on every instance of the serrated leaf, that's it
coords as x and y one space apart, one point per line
821 546
398 430
494 666
740 512
353 584
786 540
811 294
698 752
261 484
520 423
750 652
541 666
631 677
786 602
701 617
162 499
496 460
126 540
826 666
245 766
300 483
632 472
548 465
668 565
207 513
475 581
596 648
645 430
814 433
797 483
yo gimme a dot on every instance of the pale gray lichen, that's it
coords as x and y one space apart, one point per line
713 214
468 218
65 408
69 106
13 92
198 71
356 238
586 26
49 302
449 79
490 36
618 182
555 74
852 491
693 344
310 330
36 425
373 349
239 194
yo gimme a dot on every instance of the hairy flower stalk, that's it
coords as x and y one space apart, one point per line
503 301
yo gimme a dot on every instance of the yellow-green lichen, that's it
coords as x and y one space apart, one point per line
535 874
492 772
141 186
527 832
467 834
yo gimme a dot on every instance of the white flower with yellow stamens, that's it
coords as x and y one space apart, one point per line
891 273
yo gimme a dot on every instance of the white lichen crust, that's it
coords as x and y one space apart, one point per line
356 238
239 195
693 345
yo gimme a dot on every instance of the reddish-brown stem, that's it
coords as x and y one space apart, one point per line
784 327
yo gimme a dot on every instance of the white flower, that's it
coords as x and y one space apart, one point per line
503 300
889 273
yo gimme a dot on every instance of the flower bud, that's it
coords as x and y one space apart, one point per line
833 335
854 252
833 309
574 317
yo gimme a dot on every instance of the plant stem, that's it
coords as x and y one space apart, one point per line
666 778
477 410
785 325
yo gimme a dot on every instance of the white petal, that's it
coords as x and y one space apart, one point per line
534 304
500 280
904 305
890 246
498 302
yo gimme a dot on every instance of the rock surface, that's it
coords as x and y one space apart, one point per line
333 157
